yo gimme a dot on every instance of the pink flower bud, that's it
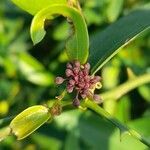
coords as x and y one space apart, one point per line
87 85
81 74
72 82
87 78
87 66
83 96
69 88
81 80
76 102
69 66
97 78
69 72
96 97
77 64
76 70
81 85
59 80
76 79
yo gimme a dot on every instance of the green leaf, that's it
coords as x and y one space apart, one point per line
29 120
142 126
62 27
107 43
46 141
144 91
33 6
72 141
78 44
33 70
123 109
114 9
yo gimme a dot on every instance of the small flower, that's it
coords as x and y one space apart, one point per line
59 80
72 82
69 66
77 64
79 80
76 102
69 72
69 88
96 97
87 66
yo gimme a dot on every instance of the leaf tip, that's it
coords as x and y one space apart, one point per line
37 36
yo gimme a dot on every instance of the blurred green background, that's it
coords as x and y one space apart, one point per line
27 73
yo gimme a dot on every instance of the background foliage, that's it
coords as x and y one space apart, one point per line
27 73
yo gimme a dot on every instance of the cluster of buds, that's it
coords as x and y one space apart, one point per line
78 80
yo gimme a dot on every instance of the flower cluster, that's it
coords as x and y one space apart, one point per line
78 80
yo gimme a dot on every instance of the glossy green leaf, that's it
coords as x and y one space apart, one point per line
33 6
29 120
33 70
107 43
78 44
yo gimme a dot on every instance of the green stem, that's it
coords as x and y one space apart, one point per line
63 103
124 129
121 90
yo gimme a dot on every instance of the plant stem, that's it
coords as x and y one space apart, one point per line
74 3
121 90
63 103
123 129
